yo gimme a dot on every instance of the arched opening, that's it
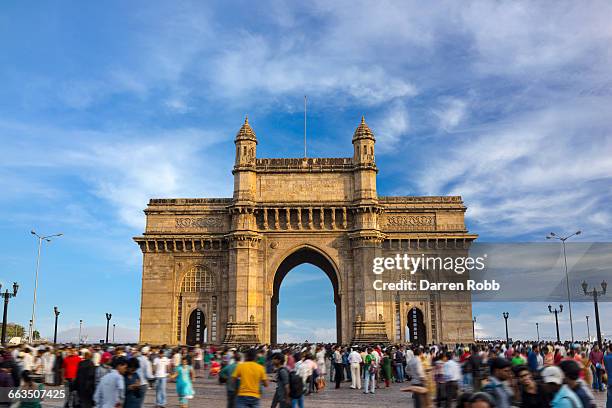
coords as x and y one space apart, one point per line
416 327
311 256
196 329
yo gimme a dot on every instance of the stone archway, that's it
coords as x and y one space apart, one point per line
300 256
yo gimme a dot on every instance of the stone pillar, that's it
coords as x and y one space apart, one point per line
244 279
344 220
321 218
309 225
265 218
276 221
288 216
299 218
333 218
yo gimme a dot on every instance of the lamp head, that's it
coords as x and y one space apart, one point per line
560 308
584 287
33 232
552 234
578 232
15 288
550 308
604 286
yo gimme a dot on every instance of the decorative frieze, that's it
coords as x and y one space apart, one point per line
199 222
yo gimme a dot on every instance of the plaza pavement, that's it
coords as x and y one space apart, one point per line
210 394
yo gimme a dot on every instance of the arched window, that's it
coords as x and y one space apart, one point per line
198 279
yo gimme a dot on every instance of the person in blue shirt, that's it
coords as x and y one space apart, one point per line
562 395
608 366
532 358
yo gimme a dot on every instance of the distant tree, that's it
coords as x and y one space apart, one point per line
14 330
36 335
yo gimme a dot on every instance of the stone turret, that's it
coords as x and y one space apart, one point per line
244 164
363 145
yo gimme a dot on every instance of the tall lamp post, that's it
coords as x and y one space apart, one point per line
552 235
57 313
474 328
40 241
506 315
556 312
113 333
538 331
80 327
596 293
6 295
108 317
588 328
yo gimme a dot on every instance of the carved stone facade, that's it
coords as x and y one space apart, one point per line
227 257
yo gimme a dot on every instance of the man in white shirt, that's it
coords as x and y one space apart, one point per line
160 368
355 360
145 371
452 376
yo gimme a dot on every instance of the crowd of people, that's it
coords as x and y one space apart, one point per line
491 374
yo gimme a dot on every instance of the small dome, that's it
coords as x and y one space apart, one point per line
363 131
246 132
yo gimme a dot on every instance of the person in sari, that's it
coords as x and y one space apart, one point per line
184 376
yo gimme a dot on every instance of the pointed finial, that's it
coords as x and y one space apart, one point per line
363 131
246 132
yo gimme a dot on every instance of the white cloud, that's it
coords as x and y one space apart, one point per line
390 127
452 112
535 170
126 169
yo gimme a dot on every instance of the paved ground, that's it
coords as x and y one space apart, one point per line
209 394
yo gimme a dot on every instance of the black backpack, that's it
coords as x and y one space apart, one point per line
296 385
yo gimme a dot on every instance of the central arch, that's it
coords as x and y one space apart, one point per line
306 254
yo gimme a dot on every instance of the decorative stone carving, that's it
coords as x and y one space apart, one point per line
410 220
200 222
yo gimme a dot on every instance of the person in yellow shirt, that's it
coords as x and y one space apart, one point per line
251 376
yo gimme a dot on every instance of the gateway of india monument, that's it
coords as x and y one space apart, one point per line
213 267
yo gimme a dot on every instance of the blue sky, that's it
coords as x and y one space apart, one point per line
104 105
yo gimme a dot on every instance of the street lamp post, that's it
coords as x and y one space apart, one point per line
588 328
556 312
6 295
474 328
538 331
506 315
80 327
552 235
108 317
40 241
113 333
57 313
596 293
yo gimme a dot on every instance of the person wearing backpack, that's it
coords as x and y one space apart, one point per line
282 396
296 389
370 369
